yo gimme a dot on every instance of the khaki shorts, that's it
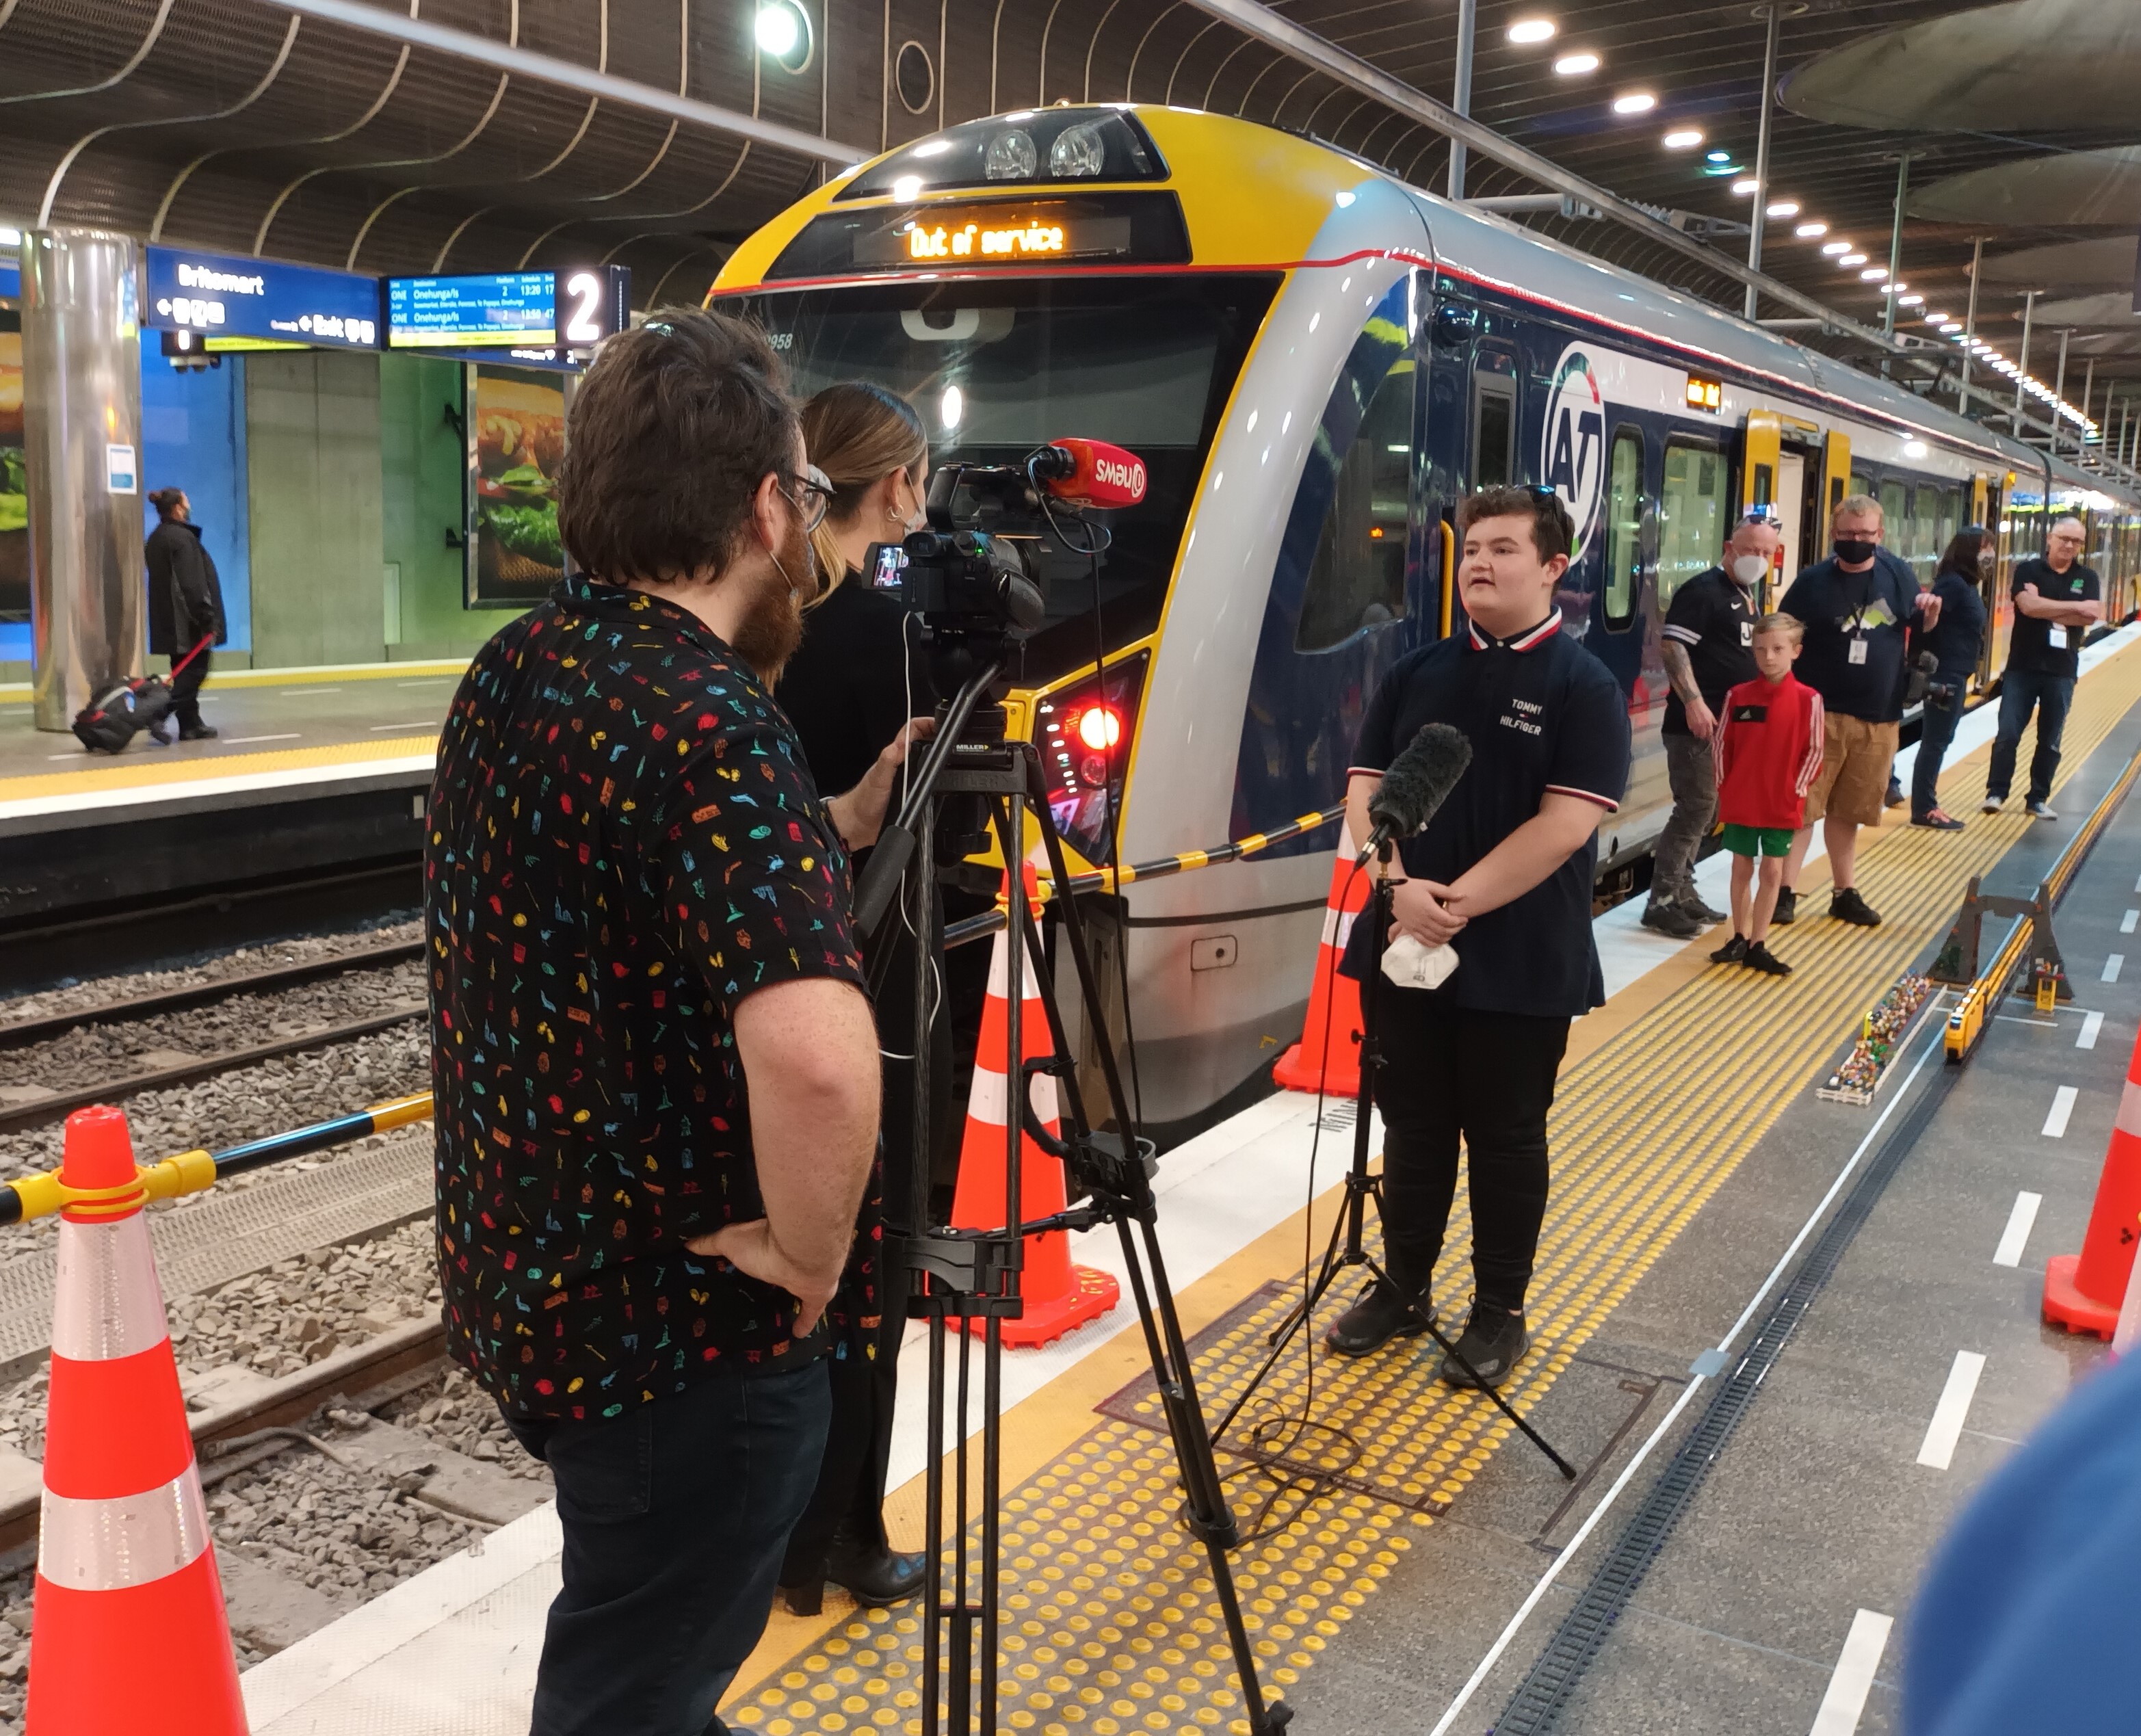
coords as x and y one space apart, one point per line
1856 759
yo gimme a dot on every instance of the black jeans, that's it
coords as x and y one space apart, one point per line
1488 1077
674 1515
2022 691
185 690
1936 730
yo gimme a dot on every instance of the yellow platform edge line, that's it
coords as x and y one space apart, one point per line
20 692
210 768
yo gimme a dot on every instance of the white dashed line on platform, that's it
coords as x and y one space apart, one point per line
2020 1223
2127 922
421 723
1946 1429
2091 1024
243 740
1853 1679
2111 966
304 692
2055 1119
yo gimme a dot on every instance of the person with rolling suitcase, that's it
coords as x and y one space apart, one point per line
185 609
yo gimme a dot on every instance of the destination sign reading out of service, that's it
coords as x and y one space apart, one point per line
225 297
504 308
958 235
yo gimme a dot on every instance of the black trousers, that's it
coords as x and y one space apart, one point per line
675 1516
1451 1073
185 690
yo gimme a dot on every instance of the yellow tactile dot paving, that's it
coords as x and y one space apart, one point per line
1109 1624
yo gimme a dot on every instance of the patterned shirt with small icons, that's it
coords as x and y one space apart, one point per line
623 842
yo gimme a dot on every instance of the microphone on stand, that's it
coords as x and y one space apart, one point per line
1089 473
1418 783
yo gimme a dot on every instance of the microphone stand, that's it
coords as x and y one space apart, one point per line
1347 1247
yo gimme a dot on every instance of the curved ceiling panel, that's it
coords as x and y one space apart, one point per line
2030 66
2106 262
2080 189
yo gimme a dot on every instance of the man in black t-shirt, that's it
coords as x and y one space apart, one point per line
1855 606
1503 872
1708 637
2057 599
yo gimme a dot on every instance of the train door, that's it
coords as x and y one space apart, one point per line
1836 483
1791 523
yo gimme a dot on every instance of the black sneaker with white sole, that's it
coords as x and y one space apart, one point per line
1493 1343
2042 810
1699 911
1847 907
1669 919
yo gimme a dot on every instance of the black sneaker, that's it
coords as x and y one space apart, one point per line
1373 1321
1847 907
1733 951
1669 919
1787 907
2042 810
1759 957
1894 799
198 732
1699 911
1494 1343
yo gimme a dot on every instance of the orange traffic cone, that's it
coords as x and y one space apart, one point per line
2082 1292
128 1632
1057 1295
1327 1058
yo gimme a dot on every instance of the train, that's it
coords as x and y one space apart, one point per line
1317 362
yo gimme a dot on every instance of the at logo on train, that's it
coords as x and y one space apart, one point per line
1572 443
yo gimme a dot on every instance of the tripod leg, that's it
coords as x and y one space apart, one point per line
933 1570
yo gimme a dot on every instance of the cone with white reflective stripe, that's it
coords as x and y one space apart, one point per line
1057 1294
2082 1292
1327 1058
128 1634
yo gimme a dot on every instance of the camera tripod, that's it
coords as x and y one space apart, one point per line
1347 1247
958 1277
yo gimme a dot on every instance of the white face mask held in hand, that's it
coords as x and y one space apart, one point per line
1411 964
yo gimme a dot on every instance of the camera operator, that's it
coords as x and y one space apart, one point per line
1503 873
849 690
656 1071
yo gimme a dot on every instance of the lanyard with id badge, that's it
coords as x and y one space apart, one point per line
1855 651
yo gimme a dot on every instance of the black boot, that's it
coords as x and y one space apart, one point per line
1373 1321
873 1573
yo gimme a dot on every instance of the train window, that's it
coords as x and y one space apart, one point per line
1494 431
1861 484
1624 529
1356 491
1895 519
1925 533
1693 508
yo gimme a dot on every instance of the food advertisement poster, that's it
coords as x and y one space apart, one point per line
14 486
516 433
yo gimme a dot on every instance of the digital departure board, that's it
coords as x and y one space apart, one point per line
504 308
225 296
957 236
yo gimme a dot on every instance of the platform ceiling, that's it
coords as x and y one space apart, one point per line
235 125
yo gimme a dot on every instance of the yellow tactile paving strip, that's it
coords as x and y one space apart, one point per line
1108 1622
209 768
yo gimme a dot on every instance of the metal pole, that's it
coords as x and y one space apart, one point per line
2059 387
1762 154
1969 327
1896 245
2022 362
2087 391
1468 27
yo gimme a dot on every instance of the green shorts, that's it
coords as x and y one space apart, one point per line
1758 840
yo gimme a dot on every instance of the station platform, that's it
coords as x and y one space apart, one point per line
1414 1563
313 771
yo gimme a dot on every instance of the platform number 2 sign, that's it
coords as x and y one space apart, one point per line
594 302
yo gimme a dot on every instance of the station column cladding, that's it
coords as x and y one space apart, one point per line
81 425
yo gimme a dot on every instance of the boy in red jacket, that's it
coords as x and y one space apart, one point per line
1768 744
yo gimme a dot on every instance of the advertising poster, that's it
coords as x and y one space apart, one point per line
14 486
516 436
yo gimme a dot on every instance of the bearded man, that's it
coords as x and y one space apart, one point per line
655 1069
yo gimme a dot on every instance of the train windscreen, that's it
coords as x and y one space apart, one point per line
996 369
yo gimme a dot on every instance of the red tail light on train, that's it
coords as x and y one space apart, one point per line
1084 732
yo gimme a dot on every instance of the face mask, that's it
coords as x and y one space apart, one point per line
1855 549
1749 568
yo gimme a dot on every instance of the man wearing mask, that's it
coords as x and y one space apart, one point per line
1856 606
2056 601
1709 631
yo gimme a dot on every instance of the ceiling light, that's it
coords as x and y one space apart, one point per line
1781 208
1686 139
1950 327
1873 273
1719 156
1721 169
1851 259
1574 66
1911 301
1743 187
1834 248
1935 319
783 34
1531 30
1808 231
1636 102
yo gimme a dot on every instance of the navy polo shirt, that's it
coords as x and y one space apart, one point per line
1543 716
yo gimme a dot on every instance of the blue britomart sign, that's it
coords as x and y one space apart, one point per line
217 295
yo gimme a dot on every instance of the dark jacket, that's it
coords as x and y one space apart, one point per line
1959 636
185 596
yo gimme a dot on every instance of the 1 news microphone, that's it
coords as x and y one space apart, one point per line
1418 783
1089 473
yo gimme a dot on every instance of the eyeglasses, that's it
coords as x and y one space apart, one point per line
816 489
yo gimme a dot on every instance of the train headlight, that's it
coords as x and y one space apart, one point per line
1077 153
1010 156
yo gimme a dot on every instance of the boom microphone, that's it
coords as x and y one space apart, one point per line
1418 783
1089 473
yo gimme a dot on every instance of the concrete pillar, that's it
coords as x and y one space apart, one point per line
81 424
